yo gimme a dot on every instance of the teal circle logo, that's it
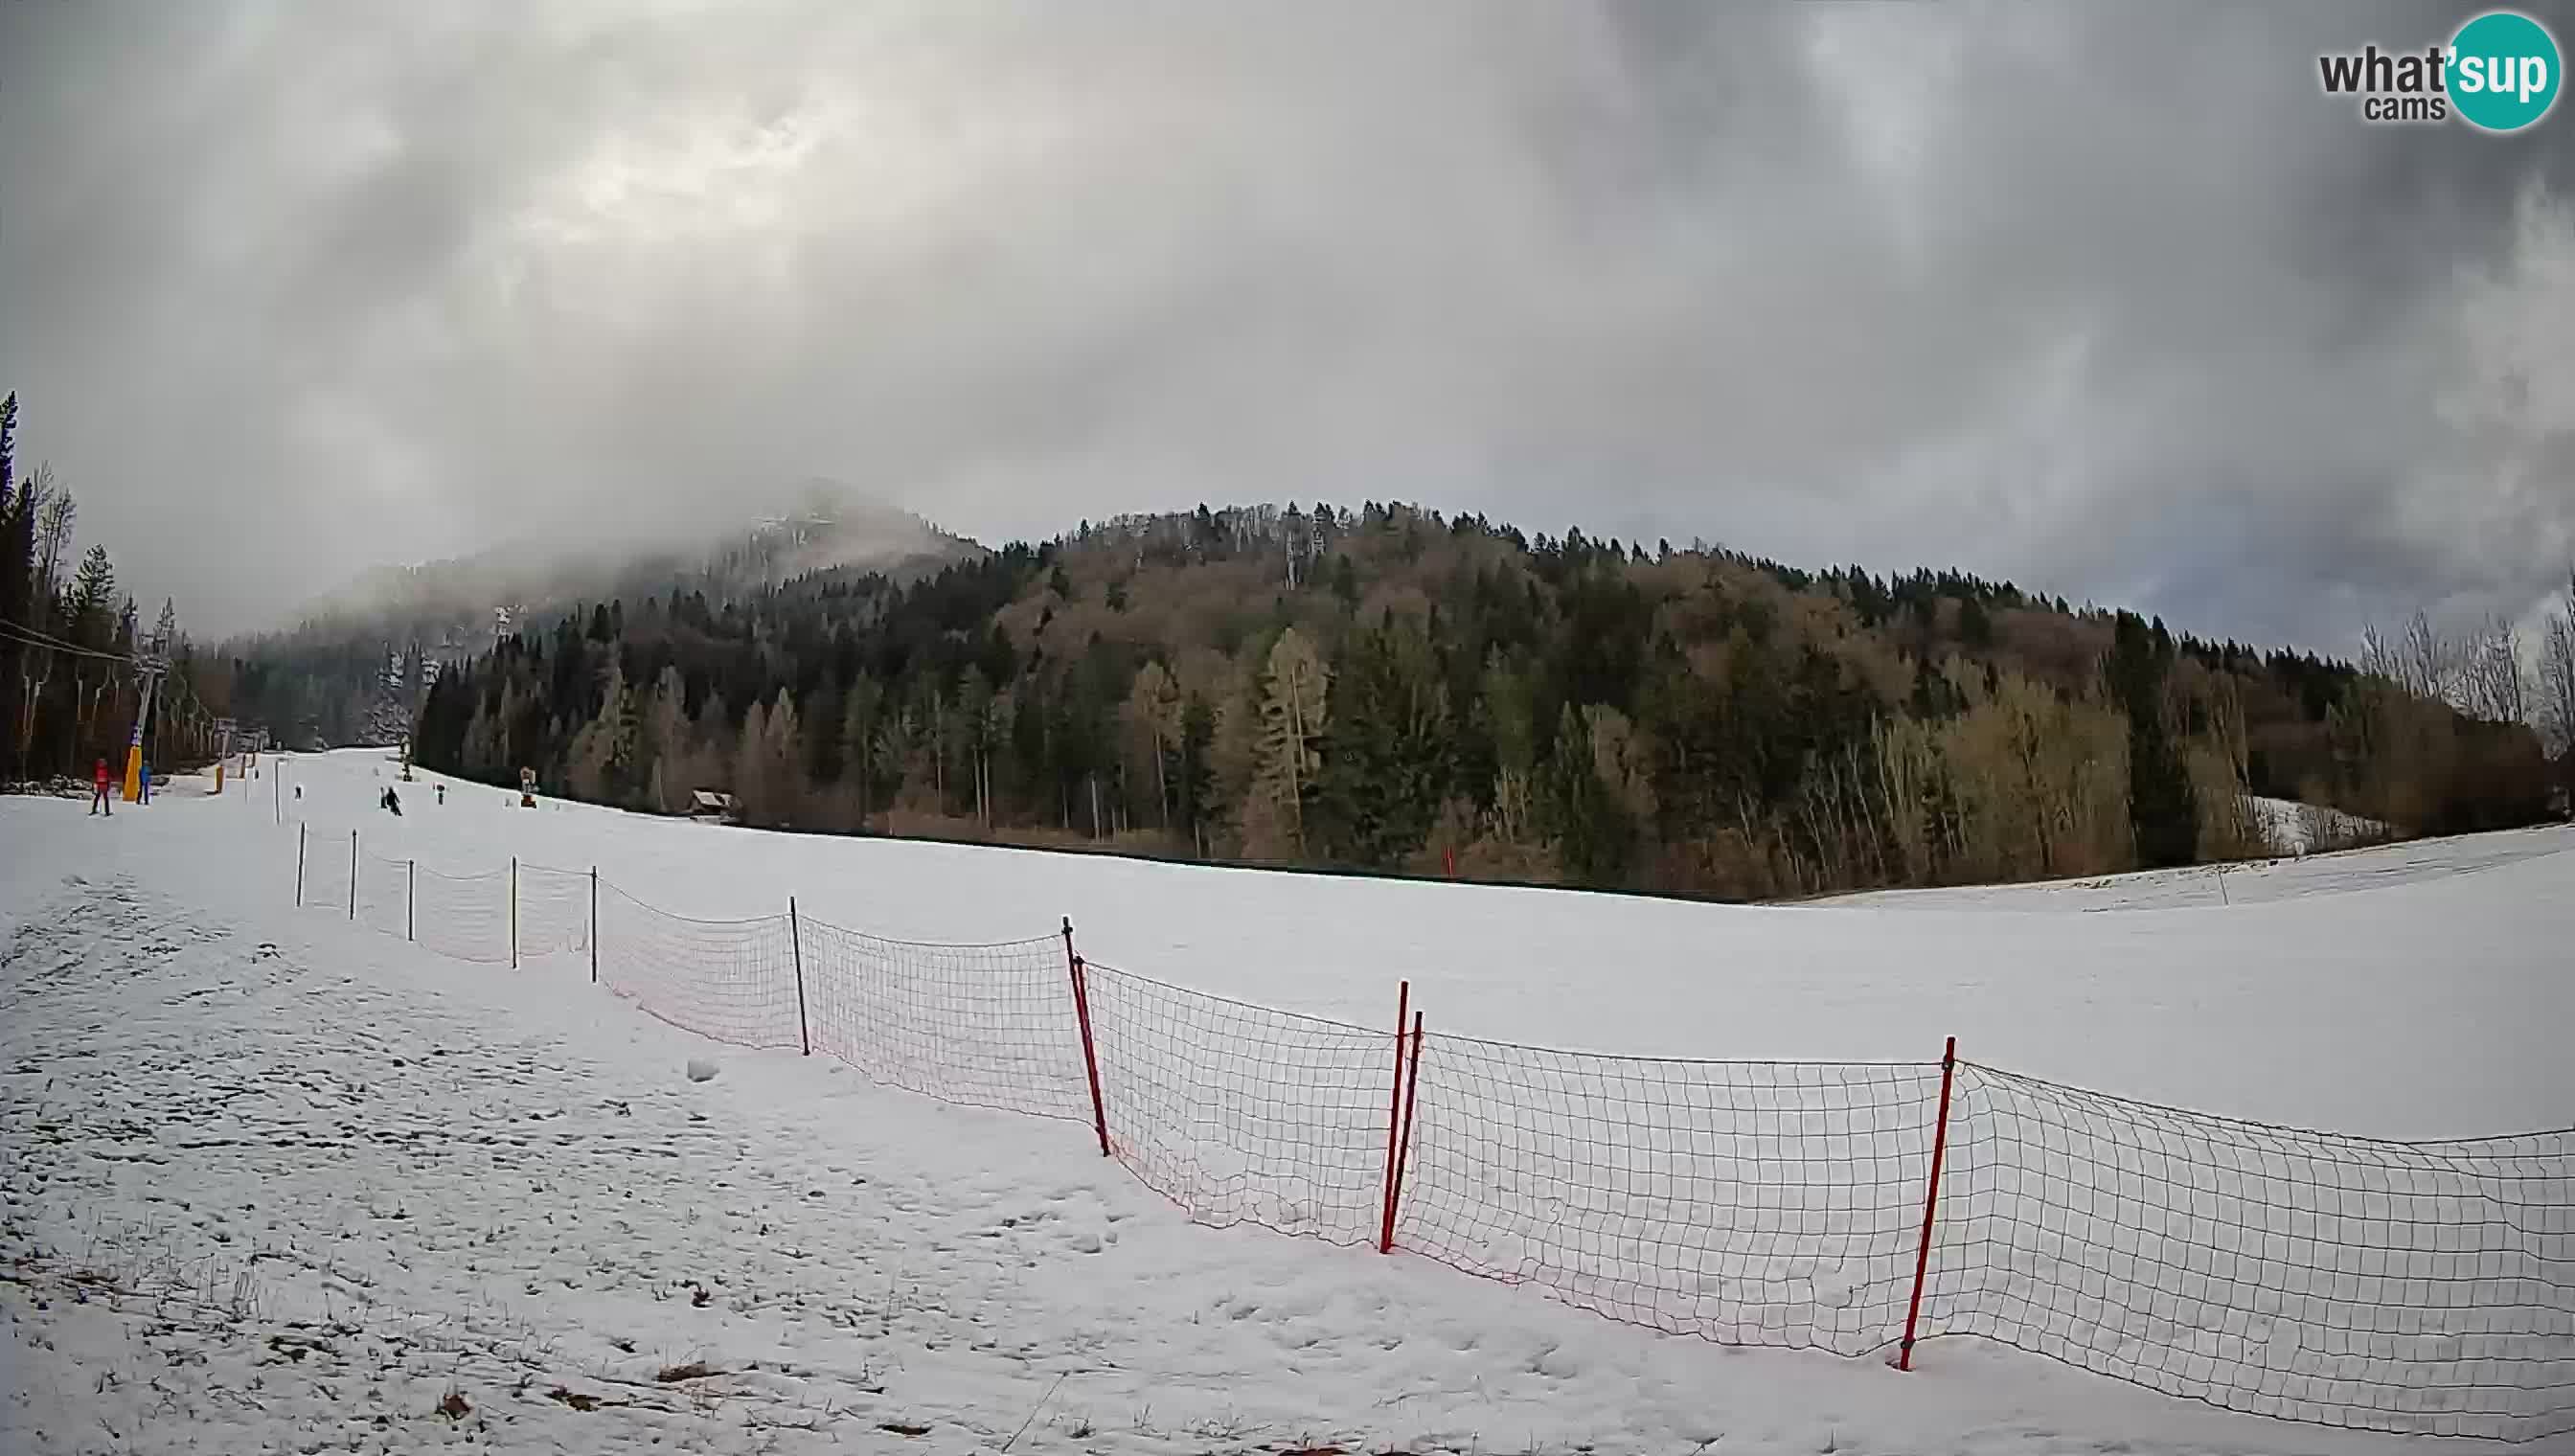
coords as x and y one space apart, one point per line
2504 71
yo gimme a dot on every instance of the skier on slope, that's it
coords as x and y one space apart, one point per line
99 802
390 802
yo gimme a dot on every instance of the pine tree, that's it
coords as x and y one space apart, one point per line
1345 584
2163 808
1975 625
1388 756
1193 772
620 734
1591 830
782 773
750 767
1292 730
662 745
861 712
92 619
1154 706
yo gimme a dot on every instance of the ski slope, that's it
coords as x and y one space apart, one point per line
2281 997
2251 881
276 1181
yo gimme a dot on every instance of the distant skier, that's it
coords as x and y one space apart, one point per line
390 802
146 785
99 802
442 793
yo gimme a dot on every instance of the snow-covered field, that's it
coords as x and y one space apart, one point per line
2247 882
276 1181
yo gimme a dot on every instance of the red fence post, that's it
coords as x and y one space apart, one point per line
1930 1203
593 925
1089 1055
299 866
353 874
411 895
1403 1146
1393 1119
514 912
795 942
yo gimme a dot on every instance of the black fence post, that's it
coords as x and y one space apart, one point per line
796 939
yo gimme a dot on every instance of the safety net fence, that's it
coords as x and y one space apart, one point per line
2417 1287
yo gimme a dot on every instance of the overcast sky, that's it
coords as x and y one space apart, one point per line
2107 299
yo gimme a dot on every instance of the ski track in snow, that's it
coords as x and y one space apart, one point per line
276 1183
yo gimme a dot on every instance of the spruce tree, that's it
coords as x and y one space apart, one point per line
1590 828
1387 755
1975 625
2163 810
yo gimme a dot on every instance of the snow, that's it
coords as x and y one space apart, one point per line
2255 994
281 1181
2212 887
2292 827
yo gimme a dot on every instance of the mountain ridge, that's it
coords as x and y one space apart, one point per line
1389 688
826 526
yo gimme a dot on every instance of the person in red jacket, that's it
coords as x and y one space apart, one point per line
99 801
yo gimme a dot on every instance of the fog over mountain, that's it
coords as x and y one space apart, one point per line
456 604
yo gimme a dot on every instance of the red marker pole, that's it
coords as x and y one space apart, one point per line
1089 1052
1393 1120
1930 1205
1403 1148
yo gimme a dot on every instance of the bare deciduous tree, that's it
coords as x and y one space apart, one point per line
2492 683
2480 674
2557 673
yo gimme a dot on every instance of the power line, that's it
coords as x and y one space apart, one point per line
29 636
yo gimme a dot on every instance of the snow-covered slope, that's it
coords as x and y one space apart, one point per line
2257 999
2292 827
2254 881
275 1181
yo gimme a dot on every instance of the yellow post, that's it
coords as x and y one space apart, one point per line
134 745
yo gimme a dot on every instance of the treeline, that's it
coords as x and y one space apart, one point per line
319 686
1390 690
69 638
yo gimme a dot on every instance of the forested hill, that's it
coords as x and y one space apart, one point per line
359 660
1393 689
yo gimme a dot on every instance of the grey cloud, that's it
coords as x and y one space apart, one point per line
2105 298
